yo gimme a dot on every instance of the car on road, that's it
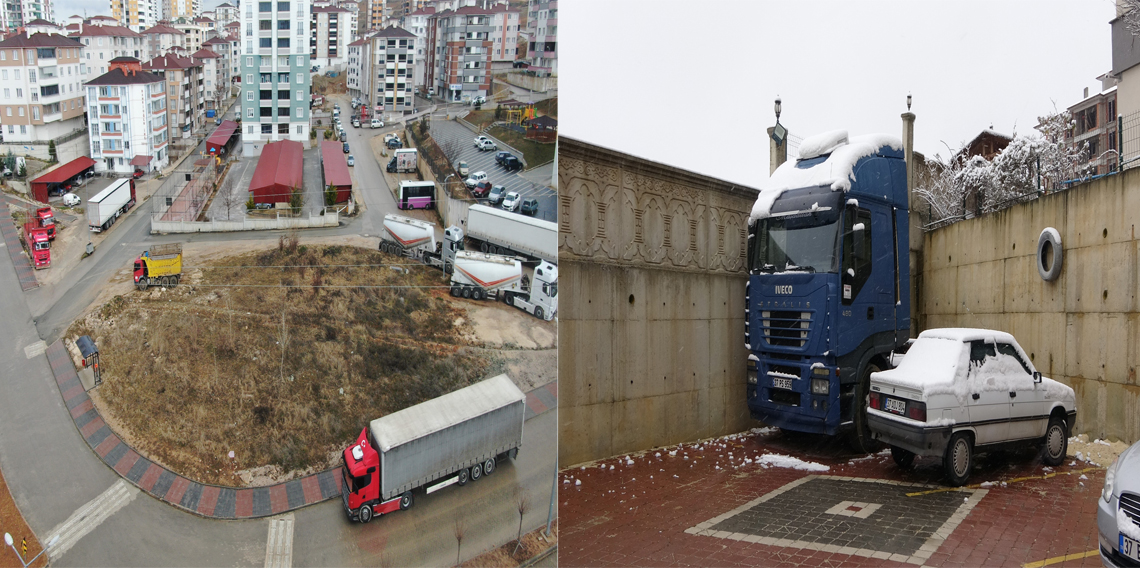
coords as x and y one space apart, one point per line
481 189
461 169
500 156
138 174
511 164
356 122
484 145
351 160
346 150
1118 510
511 201
529 206
961 391
480 100
377 123
496 194
71 200
475 178
218 120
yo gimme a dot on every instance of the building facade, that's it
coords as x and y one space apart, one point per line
504 33
542 25
41 83
161 38
212 80
185 91
330 32
175 9
459 54
225 13
417 23
128 119
137 15
1095 127
102 43
275 65
392 78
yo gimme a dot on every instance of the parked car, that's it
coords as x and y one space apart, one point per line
961 391
496 194
351 160
511 201
346 148
475 178
356 122
218 120
377 123
484 145
395 143
481 189
138 174
500 156
511 163
529 206
461 169
71 200
480 100
481 139
343 136
391 167
1119 502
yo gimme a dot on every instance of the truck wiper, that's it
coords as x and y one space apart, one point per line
794 268
770 268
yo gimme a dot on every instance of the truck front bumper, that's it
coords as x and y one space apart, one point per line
919 439
352 515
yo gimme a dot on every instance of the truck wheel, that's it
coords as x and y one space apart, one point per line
476 472
165 281
141 284
903 458
1056 442
489 466
484 247
466 291
463 477
538 313
447 268
861 439
480 294
406 501
959 459
365 514
455 291
174 280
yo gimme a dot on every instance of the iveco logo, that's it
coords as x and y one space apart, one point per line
783 290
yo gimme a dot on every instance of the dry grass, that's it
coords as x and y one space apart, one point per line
286 370
533 544
12 522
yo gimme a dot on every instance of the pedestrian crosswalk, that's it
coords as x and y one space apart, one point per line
86 518
279 546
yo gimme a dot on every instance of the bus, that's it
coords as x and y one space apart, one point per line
416 195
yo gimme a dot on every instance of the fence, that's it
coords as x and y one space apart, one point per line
331 218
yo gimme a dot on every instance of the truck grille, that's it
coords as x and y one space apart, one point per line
784 397
1130 504
786 328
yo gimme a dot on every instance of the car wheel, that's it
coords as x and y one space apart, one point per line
365 514
861 439
959 458
489 466
463 477
1056 442
476 472
903 458
406 501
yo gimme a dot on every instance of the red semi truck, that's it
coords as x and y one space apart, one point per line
43 219
39 248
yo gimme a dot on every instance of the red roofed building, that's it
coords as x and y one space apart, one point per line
128 120
185 88
105 41
334 170
40 100
160 38
212 76
278 172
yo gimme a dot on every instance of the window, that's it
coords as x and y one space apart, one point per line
283 111
16 74
266 77
249 62
249 78
32 75
282 42
300 95
266 112
267 129
23 129
249 96
264 24
265 42
282 6
20 111
856 269
282 24
266 95
300 78
282 95
265 6
35 113
300 112
249 113
282 128
283 78
7 93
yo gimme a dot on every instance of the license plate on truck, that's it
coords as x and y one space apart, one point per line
897 406
782 383
1129 548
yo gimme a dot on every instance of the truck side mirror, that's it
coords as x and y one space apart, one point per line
1036 377
859 244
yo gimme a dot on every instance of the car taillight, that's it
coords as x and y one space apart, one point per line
876 401
916 410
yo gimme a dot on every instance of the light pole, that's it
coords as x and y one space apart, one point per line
9 542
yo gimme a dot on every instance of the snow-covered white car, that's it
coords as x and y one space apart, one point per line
475 178
961 391
1118 511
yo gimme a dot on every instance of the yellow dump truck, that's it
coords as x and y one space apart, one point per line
159 266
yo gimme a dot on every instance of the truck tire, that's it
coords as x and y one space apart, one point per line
1049 254
958 459
448 268
365 514
483 247
165 280
467 292
489 466
406 501
141 284
455 291
464 475
476 472
538 313
480 294
174 280
861 440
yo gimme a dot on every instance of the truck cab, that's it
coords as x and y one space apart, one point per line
46 220
828 290
39 247
361 473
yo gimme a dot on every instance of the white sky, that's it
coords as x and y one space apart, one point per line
691 83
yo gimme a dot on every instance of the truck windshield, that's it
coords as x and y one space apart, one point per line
800 235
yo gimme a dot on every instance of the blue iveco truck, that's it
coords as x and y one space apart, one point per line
828 286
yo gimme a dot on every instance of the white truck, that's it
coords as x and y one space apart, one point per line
407 160
107 205
412 238
481 275
502 232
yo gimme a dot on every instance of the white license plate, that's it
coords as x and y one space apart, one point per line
1129 548
782 383
896 406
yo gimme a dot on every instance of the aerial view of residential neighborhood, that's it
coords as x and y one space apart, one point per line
284 282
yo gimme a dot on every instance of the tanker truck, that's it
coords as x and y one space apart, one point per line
415 239
480 275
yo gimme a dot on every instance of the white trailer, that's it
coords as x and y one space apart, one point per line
407 160
413 238
480 275
502 232
107 205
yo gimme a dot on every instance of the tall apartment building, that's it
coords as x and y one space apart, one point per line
185 91
128 120
330 33
18 13
275 72
359 83
417 23
41 80
137 15
459 56
392 59
102 43
542 23
175 9
225 66
504 33
193 35
211 77
225 13
208 26
162 37
1094 124
375 14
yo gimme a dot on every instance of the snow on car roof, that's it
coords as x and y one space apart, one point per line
930 360
968 334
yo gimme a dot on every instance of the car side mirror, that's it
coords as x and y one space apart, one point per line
1036 377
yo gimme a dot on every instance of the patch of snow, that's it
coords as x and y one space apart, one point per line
987 484
822 143
1125 525
778 460
1083 476
1101 442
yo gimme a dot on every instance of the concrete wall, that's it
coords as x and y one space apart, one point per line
1083 328
651 325
331 219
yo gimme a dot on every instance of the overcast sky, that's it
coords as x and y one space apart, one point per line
64 9
691 83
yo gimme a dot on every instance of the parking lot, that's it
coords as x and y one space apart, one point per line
484 161
780 499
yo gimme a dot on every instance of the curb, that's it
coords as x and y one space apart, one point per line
540 557
205 500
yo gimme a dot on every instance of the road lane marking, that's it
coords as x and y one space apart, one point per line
35 350
89 516
279 546
1059 559
993 484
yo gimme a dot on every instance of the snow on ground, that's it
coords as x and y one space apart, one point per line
779 460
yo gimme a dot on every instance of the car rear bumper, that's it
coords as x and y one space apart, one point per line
921 440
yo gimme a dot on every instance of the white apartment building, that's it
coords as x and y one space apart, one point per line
128 120
504 33
275 65
392 60
102 43
162 37
330 34
41 87
175 9
542 25
225 13
137 15
19 13
211 76
185 87
417 23
225 67
193 35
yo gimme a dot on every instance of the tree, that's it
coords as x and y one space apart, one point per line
10 161
23 169
226 197
249 204
328 134
459 529
330 195
296 199
51 151
450 149
522 500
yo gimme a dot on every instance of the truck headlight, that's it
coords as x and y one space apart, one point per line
820 386
1109 480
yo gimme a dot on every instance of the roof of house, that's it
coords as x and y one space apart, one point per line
41 22
215 41
171 62
39 40
101 17
163 29
125 59
224 5
363 41
92 30
393 31
120 76
204 54
202 19
427 11
319 9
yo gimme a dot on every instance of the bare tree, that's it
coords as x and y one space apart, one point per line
459 529
450 149
226 198
282 342
522 500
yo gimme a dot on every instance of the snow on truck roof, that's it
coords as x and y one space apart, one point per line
837 170
438 413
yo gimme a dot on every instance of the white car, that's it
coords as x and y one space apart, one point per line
474 179
71 200
483 145
512 200
377 123
481 139
960 391
1118 510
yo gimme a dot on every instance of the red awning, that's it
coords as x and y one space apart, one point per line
278 172
141 160
334 164
221 136
66 171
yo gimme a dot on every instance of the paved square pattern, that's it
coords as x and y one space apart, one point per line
848 515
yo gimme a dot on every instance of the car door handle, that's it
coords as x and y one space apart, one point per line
976 396
1012 395
871 313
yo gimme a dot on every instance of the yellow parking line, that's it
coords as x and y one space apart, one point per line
1007 482
1058 559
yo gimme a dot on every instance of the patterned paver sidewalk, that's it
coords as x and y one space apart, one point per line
729 502
11 233
202 499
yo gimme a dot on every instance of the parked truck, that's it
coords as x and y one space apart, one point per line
412 238
480 275
44 219
38 243
502 232
107 205
159 266
407 160
450 440
828 288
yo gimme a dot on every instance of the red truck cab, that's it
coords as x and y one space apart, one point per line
45 220
361 473
39 247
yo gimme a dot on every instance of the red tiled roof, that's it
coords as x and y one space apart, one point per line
40 40
162 29
41 22
92 30
393 31
120 77
205 54
170 62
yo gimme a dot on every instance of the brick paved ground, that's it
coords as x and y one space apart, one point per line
705 505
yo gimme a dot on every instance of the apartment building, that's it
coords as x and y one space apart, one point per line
160 38
504 33
137 15
275 66
225 13
389 85
1094 124
102 43
225 65
542 24
174 9
459 55
208 26
417 23
213 82
19 13
185 91
42 26
193 35
41 83
127 116
374 15
330 33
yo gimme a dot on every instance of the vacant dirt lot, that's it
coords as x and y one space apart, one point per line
283 354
